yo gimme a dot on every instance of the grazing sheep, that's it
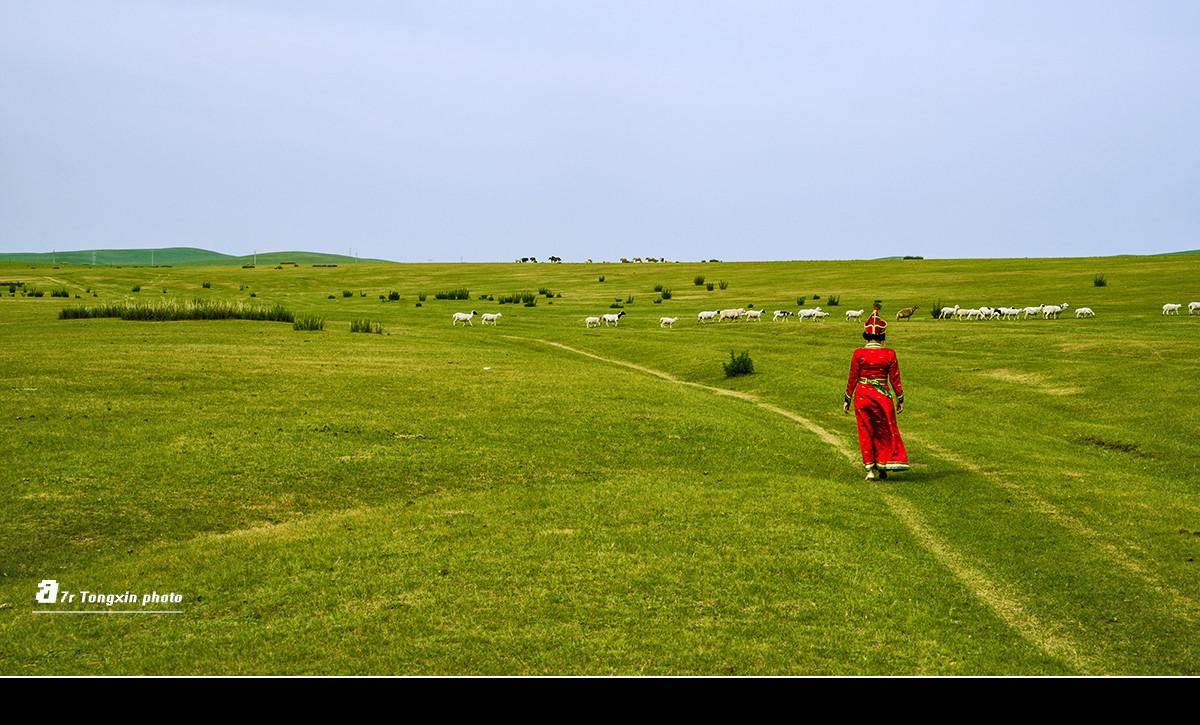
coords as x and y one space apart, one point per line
1084 312
614 319
707 315
781 315
854 315
492 318
1170 309
947 312
1051 311
755 315
805 314
731 314
907 312
1193 308
818 315
1035 311
668 322
592 321
463 317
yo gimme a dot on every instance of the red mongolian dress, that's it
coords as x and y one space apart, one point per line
871 368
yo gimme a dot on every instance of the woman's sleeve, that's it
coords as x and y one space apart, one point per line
894 375
853 377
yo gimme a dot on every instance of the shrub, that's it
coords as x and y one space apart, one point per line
545 292
454 294
366 326
709 286
936 309
800 301
722 284
1099 281
60 292
207 285
173 310
601 278
656 301
738 364
393 296
833 300
347 293
658 288
309 323
137 288
332 297
629 301
699 280
247 266
615 306
666 294
420 296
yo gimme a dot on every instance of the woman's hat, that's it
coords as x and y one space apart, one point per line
875 325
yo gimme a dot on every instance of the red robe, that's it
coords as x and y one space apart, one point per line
878 436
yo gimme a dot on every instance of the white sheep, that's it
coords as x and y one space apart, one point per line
755 315
731 314
947 312
1035 311
855 315
614 319
489 317
668 322
1193 308
707 315
463 317
781 315
802 315
1084 312
589 321
1051 311
818 315
1170 309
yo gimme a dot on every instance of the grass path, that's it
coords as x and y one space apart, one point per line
1003 599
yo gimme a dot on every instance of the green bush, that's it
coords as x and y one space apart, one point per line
454 294
137 288
393 296
1099 281
709 286
347 293
738 364
366 326
207 285
833 300
722 284
666 294
699 280
309 322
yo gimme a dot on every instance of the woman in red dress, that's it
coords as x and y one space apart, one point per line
871 369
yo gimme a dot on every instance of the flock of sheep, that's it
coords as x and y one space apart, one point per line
1046 312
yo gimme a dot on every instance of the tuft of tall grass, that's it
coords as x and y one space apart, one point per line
1099 281
309 323
207 285
698 280
666 294
832 300
722 284
347 293
171 310
366 326
455 294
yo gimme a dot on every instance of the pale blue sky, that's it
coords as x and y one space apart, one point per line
485 131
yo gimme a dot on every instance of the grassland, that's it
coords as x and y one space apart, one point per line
541 498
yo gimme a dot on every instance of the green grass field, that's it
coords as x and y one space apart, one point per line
542 498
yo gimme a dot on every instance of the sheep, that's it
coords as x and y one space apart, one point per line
731 314
707 315
1193 308
668 322
755 315
1169 309
803 314
463 317
589 321
1035 311
1051 311
907 312
1008 313
818 315
1084 312
947 312
492 318
854 315
614 319
781 315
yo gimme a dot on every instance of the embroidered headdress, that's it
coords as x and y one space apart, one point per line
875 325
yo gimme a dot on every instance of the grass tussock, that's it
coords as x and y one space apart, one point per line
309 323
170 310
739 364
366 326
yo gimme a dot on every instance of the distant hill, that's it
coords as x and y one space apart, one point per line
1194 251
175 257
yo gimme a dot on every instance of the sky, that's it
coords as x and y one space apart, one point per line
481 131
